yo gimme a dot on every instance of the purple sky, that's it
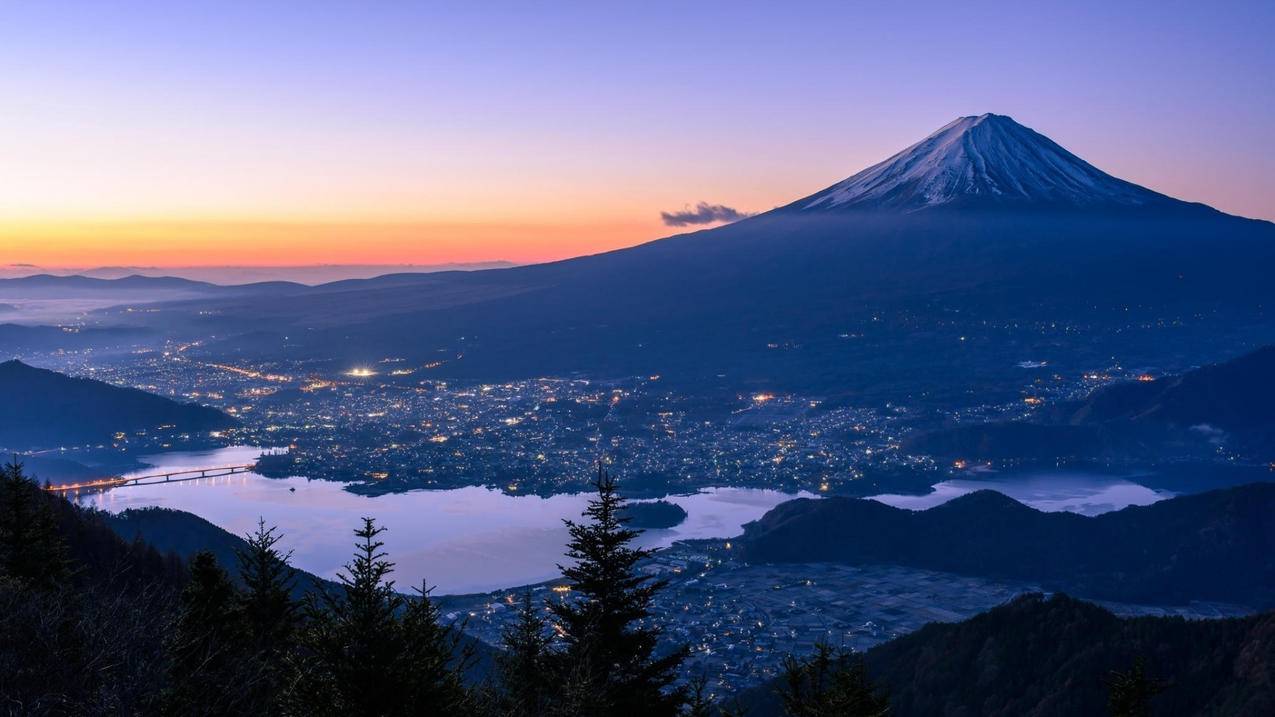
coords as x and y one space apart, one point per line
409 132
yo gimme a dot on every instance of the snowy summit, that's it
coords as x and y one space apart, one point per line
987 159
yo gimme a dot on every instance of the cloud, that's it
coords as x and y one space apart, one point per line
703 213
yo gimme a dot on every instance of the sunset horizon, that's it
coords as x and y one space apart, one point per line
194 137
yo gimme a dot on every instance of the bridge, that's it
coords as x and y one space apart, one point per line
151 479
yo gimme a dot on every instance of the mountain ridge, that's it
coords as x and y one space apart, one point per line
40 408
1213 546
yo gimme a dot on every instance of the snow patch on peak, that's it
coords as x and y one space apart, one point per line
982 159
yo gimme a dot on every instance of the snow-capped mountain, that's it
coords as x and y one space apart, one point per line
988 159
905 280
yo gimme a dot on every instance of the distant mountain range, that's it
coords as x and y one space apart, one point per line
935 271
46 409
133 286
1214 546
1054 657
237 275
1191 413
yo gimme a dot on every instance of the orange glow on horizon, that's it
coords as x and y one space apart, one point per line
161 243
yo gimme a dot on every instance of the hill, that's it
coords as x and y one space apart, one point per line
907 278
182 534
1217 546
1234 395
1190 413
1045 657
45 409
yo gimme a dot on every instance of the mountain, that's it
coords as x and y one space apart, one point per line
929 276
1233 395
1177 415
133 288
1217 546
45 409
1054 657
988 159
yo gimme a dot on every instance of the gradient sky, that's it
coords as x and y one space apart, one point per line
314 132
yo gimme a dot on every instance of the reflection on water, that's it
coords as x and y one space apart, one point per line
1076 492
461 540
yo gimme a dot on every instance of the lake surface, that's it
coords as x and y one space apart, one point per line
461 540
476 539
1072 491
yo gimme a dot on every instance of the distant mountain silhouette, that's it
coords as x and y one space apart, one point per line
1216 546
1054 657
986 230
46 409
1234 399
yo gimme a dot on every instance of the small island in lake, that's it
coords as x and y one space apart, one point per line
654 515
276 465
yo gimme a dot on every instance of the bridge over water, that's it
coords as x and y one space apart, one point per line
152 478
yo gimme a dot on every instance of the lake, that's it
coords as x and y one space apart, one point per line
476 539
461 540
1057 490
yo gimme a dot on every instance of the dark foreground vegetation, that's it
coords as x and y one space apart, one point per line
91 624
1061 656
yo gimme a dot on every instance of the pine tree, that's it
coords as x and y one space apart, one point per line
1129 693
269 613
524 680
433 660
830 683
205 650
608 659
31 547
269 610
367 650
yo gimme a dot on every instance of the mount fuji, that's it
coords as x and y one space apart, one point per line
988 159
936 271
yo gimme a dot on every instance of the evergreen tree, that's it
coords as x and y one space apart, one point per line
524 679
830 683
1129 693
205 649
31 546
433 660
270 613
369 651
699 703
608 664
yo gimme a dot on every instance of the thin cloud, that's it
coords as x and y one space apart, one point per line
703 213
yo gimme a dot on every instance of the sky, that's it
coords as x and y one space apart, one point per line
186 134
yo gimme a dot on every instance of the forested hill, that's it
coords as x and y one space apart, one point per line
1059 657
1187 413
46 409
1216 546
